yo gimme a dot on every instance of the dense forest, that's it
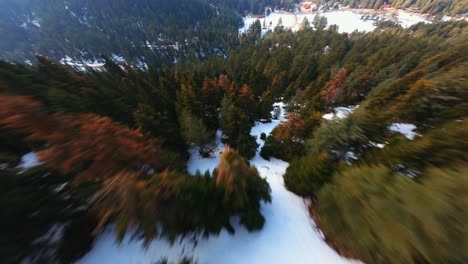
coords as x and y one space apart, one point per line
142 31
164 33
113 144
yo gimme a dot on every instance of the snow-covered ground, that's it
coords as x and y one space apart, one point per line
406 129
82 65
28 161
340 112
289 234
347 20
196 162
407 19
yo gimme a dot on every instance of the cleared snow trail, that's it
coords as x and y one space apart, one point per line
289 234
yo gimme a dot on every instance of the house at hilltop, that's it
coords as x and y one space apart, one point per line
307 7
385 6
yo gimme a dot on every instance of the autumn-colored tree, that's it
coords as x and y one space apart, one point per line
92 147
287 139
229 87
334 90
246 101
291 130
104 149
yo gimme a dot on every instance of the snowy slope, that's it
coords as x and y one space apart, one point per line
347 21
289 234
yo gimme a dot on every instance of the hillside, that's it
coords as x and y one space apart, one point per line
142 31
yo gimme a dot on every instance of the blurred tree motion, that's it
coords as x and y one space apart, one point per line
387 217
138 184
115 141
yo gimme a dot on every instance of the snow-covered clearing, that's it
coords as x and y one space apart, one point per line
289 234
405 129
407 19
346 20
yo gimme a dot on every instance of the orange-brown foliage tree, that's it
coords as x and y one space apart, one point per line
334 91
104 148
93 147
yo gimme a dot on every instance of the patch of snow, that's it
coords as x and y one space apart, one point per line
288 236
29 160
60 187
350 156
54 234
197 162
266 128
328 116
118 58
347 21
35 22
141 64
378 145
407 19
405 171
83 64
405 129
340 112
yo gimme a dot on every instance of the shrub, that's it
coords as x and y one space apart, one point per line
306 175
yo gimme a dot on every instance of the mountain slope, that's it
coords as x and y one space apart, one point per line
164 31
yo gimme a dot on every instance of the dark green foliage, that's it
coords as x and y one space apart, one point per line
243 188
282 150
306 175
236 127
78 238
33 202
349 134
443 146
201 203
29 212
256 6
154 32
385 217
195 132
